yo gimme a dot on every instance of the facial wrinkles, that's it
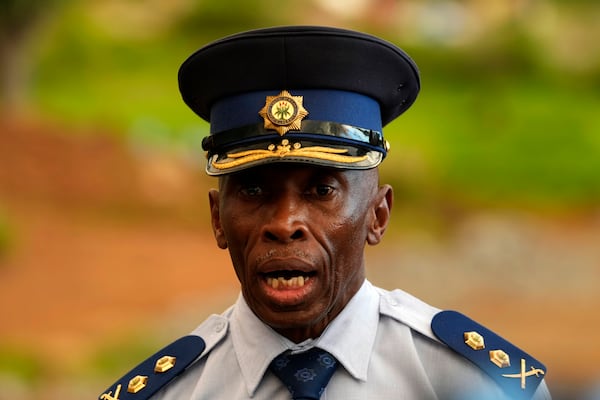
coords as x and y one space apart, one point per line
356 216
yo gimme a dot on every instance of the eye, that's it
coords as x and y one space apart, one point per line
251 190
322 190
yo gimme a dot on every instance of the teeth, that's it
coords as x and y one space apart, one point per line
295 282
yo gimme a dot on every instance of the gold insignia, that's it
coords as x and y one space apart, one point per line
387 145
283 112
137 383
500 358
285 149
109 395
474 340
524 373
164 364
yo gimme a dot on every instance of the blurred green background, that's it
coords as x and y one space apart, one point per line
105 247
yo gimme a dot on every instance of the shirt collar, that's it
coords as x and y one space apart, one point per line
256 344
354 328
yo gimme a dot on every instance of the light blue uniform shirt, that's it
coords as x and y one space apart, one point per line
382 341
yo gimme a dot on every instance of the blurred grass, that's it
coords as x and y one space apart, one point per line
22 365
117 356
7 235
27 374
113 83
526 141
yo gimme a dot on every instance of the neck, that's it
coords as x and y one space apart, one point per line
300 333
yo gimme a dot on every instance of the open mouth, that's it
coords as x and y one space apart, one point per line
287 279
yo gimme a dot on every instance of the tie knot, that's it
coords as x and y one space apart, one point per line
305 374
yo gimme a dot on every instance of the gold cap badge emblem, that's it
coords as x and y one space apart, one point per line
283 112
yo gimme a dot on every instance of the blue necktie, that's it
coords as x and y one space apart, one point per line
304 374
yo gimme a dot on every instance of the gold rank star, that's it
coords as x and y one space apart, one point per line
283 112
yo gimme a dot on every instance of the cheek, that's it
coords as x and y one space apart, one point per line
235 232
349 236
347 241
352 226
234 223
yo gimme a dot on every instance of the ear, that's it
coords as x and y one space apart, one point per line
382 208
215 219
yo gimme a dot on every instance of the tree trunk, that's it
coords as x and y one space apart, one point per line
21 24
15 68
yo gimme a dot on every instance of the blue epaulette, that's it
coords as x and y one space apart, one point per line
516 372
157 371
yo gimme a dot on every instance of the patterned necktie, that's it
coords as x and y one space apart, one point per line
304 374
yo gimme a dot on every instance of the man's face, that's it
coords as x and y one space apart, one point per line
296 237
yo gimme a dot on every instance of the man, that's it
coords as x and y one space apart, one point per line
296 119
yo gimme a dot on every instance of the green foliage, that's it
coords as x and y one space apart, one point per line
87 75
15 14
507 140
6 236
119 357
223 17
494 121
21 364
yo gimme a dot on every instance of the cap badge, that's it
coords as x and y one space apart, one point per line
283 112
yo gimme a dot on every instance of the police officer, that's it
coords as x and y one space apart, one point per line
296 118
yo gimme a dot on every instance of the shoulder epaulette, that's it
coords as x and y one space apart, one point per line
516 372
157 371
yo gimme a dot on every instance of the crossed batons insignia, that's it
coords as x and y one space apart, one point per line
110 396
524 373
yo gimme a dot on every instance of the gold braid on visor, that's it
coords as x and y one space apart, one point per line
285 149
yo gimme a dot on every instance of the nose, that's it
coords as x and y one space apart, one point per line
285 221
